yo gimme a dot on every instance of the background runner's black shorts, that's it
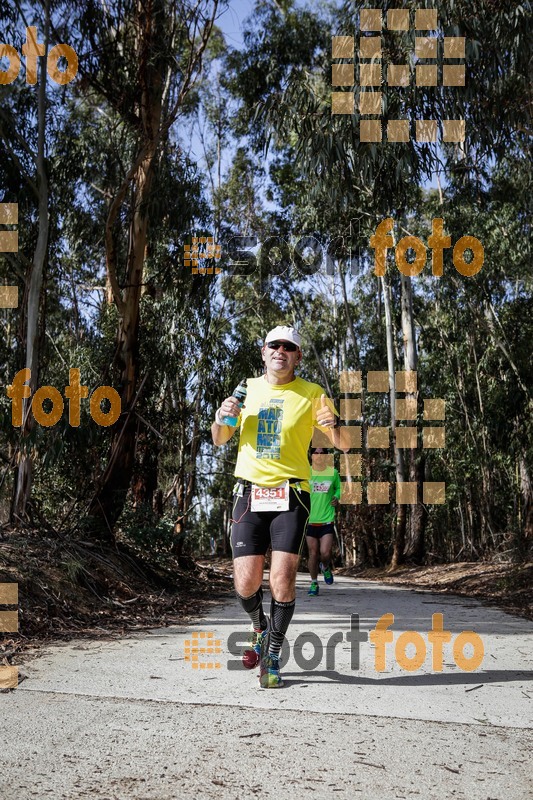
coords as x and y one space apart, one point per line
253 531
318 531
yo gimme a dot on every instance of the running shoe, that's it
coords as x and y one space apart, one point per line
313 589
327 573
269 674
251 656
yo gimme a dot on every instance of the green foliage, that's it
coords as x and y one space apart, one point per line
149 534
200 335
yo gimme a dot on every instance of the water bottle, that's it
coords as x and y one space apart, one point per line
240 394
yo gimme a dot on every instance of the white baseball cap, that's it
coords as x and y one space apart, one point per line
283 333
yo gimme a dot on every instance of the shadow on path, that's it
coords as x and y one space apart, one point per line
432 679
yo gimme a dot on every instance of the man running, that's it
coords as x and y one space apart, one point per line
271 496
325 496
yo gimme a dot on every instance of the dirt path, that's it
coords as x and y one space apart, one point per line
132 719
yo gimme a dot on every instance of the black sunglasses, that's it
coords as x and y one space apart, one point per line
289 347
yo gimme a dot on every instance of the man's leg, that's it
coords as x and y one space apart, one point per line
283 569
287 533
247 579
250 535
248 574
326 546
313 547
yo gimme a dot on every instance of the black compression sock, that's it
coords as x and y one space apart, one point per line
280 617
253 606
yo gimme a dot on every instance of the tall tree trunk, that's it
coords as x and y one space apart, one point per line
24 473
109 500
151 24
144 483
399 532
186 486
524 540
349 321
418 515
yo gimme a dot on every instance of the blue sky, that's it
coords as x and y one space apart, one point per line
230 21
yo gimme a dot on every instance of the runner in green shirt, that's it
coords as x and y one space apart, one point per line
325 494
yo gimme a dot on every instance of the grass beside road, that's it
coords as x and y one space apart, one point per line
71 588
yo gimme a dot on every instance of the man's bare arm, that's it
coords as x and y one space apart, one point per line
222 433
338 436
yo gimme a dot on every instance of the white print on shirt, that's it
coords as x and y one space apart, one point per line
322 486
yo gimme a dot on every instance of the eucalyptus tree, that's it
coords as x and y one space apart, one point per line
283 79
31 116
140 62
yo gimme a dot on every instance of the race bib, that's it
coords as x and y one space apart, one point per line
266 498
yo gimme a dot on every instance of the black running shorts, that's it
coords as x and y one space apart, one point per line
318 531
253 531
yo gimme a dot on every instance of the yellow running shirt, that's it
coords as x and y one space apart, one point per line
276 427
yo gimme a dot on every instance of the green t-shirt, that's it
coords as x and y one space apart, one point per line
324 487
